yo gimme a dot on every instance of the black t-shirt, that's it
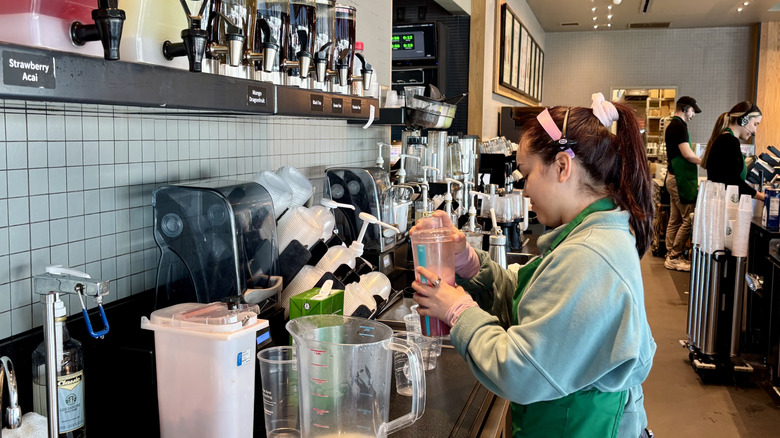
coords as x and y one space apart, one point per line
725 161
676 133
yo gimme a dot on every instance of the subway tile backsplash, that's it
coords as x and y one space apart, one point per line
76 183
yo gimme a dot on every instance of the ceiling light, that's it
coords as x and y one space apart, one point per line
595 18
739 9
593 9
609 17
596 26
609 7
609 24
746 3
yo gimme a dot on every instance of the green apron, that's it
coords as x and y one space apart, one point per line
686 174
743 174
583 414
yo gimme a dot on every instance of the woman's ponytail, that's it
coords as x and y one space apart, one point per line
633 191
720 125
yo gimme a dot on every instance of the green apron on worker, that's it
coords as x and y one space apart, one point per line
686 174
743 174
583 414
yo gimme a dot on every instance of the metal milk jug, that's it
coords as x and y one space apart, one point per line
344 373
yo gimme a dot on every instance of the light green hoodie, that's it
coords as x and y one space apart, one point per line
581 321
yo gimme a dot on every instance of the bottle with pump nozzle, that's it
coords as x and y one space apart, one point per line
471 229
380 161
448 199
324 214
342 255
401 174
422 206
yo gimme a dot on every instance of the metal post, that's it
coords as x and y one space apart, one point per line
713 306
736 313
49 339
692 291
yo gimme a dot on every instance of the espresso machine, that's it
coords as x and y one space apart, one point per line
368 190
217 240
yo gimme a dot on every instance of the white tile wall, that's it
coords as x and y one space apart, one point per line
76 183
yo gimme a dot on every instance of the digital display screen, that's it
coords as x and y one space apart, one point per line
417 41
403 42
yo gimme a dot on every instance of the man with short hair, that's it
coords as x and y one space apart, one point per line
681 182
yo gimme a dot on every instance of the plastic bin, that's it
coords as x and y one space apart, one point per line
205 357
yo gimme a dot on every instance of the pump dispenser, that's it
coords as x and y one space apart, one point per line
448 198
342 255
422 206
471 229
325 216
380 161
401 174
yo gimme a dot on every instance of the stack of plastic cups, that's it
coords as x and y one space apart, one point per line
718 218
300 185
742 227
732 206
698 215
278 188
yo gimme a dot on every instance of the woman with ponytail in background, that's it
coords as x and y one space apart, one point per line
723 157
566 338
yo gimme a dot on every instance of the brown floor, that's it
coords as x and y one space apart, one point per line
678 404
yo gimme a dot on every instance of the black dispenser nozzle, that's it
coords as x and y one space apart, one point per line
366 71
194 39
321 62
107 29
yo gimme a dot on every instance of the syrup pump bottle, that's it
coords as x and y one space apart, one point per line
70 378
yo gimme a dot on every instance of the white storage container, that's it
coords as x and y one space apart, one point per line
205 368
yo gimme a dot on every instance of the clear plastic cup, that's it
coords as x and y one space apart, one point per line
412 90
279 376
503 208
430 347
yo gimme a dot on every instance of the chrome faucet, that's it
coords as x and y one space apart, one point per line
13 412
58 280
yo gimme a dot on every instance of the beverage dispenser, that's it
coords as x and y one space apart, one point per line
64 25
323 42
344 50
299 44
217 240
229 23
269 31
149 23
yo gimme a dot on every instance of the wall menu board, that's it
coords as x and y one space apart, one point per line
519 61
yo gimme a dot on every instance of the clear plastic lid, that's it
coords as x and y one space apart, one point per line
213 317
430 230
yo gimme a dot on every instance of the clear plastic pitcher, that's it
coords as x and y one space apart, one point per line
344 370
432 249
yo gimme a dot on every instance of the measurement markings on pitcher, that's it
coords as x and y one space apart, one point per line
320 411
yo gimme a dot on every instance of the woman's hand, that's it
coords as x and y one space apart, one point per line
436 297
759 196
459 239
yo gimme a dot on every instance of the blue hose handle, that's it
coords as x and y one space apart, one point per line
89 324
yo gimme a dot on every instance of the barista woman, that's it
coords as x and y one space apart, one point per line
566 340
723 158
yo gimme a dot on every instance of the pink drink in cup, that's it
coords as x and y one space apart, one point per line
432 248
